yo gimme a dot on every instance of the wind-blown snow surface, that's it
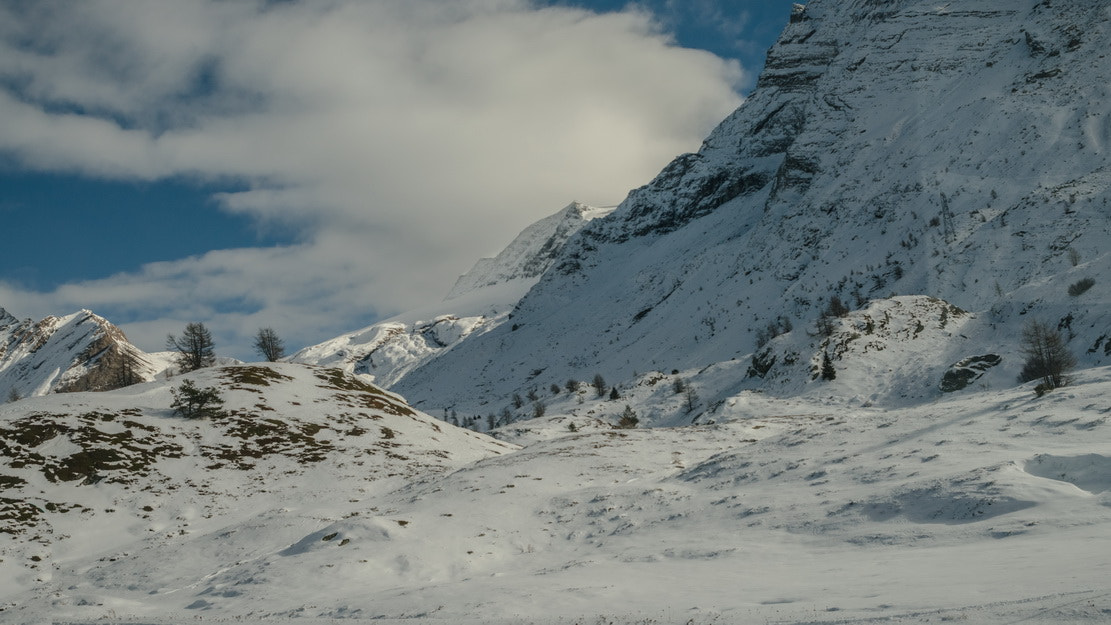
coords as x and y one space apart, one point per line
988 508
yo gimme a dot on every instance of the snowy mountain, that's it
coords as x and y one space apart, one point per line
529 255
78 352
889 149
776 385
481 300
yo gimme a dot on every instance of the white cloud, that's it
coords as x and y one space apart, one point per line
404 138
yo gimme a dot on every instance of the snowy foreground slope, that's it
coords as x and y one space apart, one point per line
89 474
993 507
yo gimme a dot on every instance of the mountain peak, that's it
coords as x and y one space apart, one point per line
531 253
480 301
81 351
889 149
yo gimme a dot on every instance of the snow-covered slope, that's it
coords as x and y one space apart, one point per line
941 168
78 352
890 148
531 253
84 474
481 300
985 508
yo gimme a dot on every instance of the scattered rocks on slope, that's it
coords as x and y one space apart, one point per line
966 371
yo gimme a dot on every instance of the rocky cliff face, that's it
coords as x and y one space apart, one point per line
78 352
889 149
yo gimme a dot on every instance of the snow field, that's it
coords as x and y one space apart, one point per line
989 507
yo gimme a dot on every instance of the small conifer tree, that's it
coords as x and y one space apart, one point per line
691 397
269 345
192 402
628 419
828 372
600 385
194 348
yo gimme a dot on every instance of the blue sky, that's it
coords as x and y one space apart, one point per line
317 166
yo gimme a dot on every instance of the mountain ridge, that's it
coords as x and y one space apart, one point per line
903 149
777 384
77 352
531 252
481 300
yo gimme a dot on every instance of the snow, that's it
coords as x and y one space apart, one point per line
480 301
54 353
530 254
989 507
1088 472
887 151
942 170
